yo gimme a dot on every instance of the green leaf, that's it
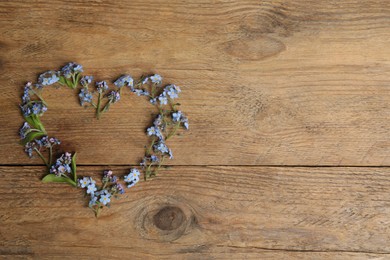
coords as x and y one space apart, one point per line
31 136
38 123
77 80
35 122
29 120
54 178
69 83
62 80
74 167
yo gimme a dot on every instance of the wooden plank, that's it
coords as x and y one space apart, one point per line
264 83
204 212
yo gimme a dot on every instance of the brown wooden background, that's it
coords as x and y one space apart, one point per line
289 150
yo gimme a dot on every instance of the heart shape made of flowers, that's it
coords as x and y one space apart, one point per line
35 140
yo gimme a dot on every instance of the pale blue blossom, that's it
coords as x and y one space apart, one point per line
176 116
172 91
124 80
161 147
84 182
48 78
157 79
91 189
163 99
105 199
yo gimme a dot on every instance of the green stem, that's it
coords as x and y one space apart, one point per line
172 105
50 154
43 158
73 81
98 106
39 96
173 131
159 165
149 150
97 212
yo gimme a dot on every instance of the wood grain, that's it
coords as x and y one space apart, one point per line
291 84
204 213
266 82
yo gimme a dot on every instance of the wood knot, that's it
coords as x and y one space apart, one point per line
169 218
165 219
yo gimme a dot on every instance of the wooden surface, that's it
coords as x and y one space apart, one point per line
289 150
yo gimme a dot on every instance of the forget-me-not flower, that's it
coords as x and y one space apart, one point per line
91 189
101 86
125 80
48 78
84 182
105 199
86 80
156 79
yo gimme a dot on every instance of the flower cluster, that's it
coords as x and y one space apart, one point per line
40 145
62 165
85 96
125 80
86 80
101 86
132 178
165 125
31 106
48 78
101 196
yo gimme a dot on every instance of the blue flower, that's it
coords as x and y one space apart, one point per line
84 182
170 154
101 86
54 141
70 69
132 178
105 199
36 109
43 142
118 188
108 177
86 80
48 78
161 147
62 165
172 91
176 116
24 130
156 79
93 201
145 80
29 148
180 117
85 96
141 92
153 101
124 80
114 96
26 93
26 111
92 181
184 120
154 158
91 189
151 131
163 98
158 121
